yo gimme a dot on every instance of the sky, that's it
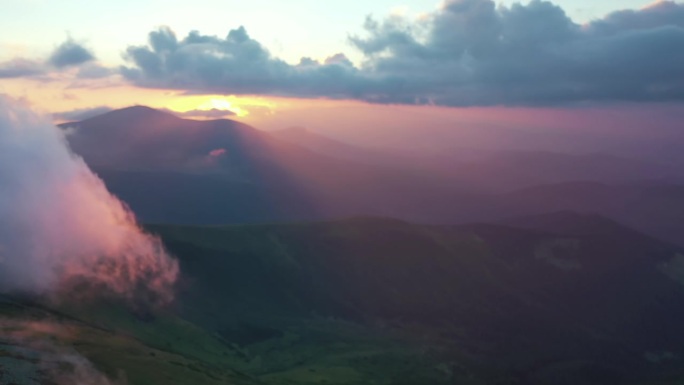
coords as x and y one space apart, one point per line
290 29
274 64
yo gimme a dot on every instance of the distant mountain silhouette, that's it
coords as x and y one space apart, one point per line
654 208
490 171
575 224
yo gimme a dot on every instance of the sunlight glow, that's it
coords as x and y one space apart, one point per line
222 105
232 105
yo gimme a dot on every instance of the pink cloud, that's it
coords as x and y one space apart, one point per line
61 228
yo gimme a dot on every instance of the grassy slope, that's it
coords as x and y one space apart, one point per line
520 301
386 302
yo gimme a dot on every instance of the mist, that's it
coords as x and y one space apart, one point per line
60 228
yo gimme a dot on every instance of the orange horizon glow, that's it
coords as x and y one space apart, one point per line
375 125
240 106
65 94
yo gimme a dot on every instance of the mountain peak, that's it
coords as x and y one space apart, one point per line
137 112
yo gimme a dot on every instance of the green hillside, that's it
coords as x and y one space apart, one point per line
379 301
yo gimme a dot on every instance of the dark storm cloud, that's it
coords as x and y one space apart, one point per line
469 52
70 54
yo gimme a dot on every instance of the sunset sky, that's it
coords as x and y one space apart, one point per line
275 64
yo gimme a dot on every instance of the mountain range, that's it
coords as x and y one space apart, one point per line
306 260
173 170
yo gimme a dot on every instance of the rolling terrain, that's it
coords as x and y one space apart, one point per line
558 299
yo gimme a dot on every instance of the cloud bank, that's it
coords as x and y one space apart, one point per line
17 68
237 63
60 228
69 54
468 52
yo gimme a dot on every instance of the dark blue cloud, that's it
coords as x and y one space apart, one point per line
478 54
236 62
94 71
469 52
17 68
69 54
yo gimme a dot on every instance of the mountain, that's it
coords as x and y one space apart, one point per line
490 171
505 170
572 223
173 170
223 171
143 139
375 300
654 208
330 147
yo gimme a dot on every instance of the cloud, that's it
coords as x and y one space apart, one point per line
67 55
213 113
474 53
468 52
70 54
656 15
60 229
94 71
237 63
19 67
81 113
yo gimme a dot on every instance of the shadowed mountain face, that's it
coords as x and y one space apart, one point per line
582 301
143 139
223 171
174 170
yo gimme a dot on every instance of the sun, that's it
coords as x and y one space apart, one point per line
238 106
222 105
